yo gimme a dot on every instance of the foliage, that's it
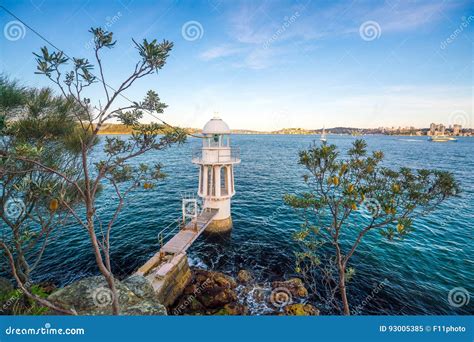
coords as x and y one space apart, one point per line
38 125
74 77
349 197
19 304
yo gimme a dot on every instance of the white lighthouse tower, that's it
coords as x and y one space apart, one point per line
216 160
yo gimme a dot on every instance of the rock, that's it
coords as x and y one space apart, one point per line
48 286
202 277
5 286
217 297
234 309
92 296
213 289
224 280
190 289
294 286
140 286
144 308
244 277
208 293
6 296
188 305
301 310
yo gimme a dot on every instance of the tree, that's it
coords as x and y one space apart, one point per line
40 124
117 168
348 198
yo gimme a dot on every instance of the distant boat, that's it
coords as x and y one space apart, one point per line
323 136
441 138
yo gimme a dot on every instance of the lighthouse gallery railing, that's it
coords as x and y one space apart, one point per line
216 155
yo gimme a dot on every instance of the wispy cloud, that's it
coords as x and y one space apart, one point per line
220 52
254 25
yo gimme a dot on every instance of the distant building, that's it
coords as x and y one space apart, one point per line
437 129
457 129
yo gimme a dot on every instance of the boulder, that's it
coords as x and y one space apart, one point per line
208 293
244 277
207 278
217 297
92 296
188 305
294 286
233 309
144 308
300 310
140 286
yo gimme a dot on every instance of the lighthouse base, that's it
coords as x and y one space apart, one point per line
219 226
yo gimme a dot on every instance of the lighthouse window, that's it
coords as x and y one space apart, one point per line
201 174
209 181
225 141
224 181
213 180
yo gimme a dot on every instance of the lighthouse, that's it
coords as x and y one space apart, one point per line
216 160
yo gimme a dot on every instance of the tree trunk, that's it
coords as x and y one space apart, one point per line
104 269
342 287
108 275
115 299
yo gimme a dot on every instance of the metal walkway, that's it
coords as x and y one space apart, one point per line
179 243
187 235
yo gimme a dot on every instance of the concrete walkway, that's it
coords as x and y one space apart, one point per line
186 236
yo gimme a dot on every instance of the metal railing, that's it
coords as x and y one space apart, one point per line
216 155
168 232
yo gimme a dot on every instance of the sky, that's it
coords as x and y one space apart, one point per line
266 65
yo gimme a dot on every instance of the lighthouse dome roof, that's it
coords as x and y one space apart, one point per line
216 126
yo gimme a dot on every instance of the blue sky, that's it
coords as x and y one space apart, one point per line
272 64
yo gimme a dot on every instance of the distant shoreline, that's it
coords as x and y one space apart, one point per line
328 134
117 129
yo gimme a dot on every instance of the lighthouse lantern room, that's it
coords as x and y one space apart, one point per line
216 160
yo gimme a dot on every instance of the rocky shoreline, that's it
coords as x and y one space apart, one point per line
207 293
215 293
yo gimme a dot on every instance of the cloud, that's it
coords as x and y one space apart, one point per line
261 31
408 16
220 52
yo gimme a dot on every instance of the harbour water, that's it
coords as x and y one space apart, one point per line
416 274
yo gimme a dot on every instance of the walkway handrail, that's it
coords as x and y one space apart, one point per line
168 230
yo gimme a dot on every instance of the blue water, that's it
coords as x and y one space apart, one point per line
418 272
